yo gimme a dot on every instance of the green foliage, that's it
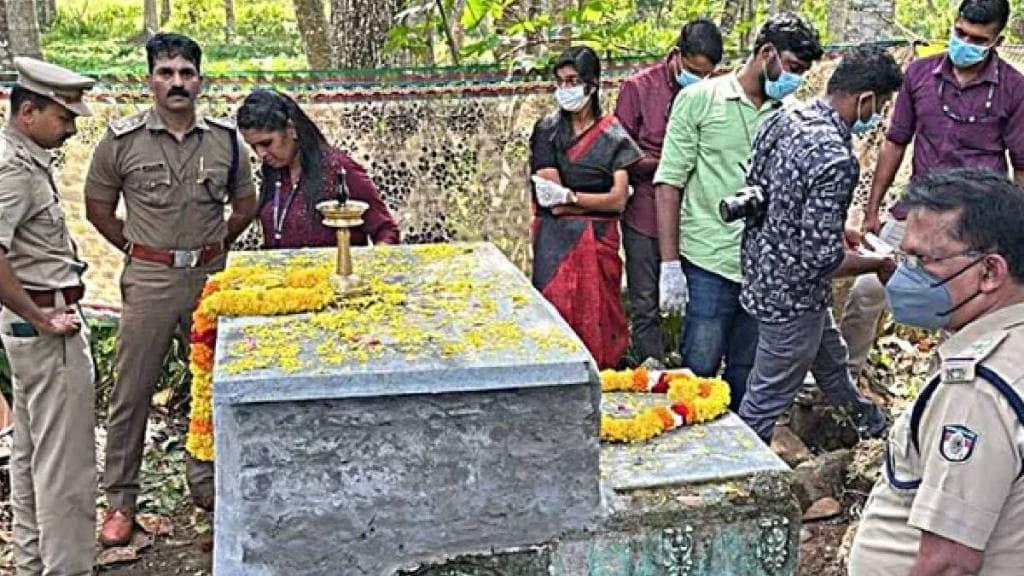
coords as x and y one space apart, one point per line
500 31
105 36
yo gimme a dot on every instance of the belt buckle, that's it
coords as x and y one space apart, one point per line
186 258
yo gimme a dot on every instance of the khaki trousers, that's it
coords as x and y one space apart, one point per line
865 304
155 301
53 463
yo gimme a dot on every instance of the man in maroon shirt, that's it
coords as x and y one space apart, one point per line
964 107
645 100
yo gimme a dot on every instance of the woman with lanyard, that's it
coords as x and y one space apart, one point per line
299 170
578 161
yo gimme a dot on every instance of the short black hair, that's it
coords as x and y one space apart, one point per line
866 68
169 45
588 66
701 37
989 206
20 95
789 32
985 12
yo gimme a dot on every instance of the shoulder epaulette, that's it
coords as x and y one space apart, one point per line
123 126
226 123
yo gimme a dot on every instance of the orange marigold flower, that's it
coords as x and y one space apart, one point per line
666 417
200 426
202 355
640 379
705 389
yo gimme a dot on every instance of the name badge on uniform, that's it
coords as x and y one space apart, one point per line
958 370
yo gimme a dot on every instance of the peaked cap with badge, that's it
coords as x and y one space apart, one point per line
55 82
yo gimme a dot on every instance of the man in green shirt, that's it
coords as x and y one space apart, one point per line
709 138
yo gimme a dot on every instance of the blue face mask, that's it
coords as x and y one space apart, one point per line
686 78
787 83
918 298
862 126
964 54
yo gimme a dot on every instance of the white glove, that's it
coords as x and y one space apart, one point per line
672 294
550 193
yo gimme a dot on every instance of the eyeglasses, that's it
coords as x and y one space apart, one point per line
567 82
914 262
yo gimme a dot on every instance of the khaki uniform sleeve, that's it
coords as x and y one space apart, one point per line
244 186
969 460
104 181
15 201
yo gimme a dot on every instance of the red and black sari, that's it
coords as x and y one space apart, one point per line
576 262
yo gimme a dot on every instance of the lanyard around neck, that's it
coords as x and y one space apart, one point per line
281 212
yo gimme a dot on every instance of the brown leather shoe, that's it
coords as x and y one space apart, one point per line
118 524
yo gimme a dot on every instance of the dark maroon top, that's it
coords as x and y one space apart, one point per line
645 100
948 138
301 229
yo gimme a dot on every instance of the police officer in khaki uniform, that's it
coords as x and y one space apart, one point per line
53 465
175 170
950 499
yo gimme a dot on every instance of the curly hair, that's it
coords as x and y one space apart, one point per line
789 32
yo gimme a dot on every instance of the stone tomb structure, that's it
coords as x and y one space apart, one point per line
457 435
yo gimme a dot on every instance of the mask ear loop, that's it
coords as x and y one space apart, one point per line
947 280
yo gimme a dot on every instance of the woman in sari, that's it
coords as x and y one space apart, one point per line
300 169
578 158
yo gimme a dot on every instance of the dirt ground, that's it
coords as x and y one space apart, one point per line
182 552
186 553
819 554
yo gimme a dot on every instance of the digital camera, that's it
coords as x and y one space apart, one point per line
748 203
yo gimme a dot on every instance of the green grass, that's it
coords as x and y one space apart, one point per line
104 36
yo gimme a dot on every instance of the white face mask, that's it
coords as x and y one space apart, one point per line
572 99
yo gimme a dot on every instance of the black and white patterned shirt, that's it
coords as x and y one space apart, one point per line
803 159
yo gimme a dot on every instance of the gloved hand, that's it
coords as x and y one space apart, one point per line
550 193
672 294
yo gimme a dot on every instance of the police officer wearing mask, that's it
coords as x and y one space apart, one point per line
950 499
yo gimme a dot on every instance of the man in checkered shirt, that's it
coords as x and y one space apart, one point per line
804 162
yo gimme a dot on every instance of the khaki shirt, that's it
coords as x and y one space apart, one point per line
33 230
174 192
965 483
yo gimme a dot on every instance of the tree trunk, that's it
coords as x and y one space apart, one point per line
165 11
46 11
360 30
23 28
150 19
730 16
229 20
6 62
854 21
313 26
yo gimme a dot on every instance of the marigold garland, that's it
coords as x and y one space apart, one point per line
693 400
445 310
253 290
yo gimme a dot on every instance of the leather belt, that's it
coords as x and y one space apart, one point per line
177 258
48 298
